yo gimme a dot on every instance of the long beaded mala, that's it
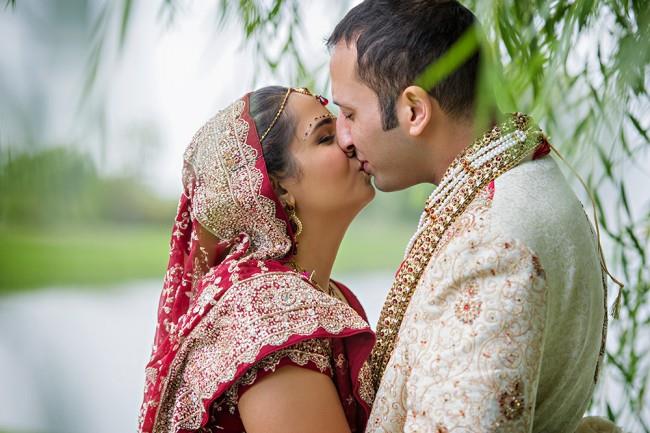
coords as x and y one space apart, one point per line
496 152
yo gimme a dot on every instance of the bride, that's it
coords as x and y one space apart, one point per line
252 334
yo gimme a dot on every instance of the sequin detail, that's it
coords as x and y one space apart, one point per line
251 315
227 198
316 351
468 174
366 388
511 401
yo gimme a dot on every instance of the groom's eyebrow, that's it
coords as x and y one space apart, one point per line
341 104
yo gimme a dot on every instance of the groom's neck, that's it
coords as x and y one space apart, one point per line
447 142
451 139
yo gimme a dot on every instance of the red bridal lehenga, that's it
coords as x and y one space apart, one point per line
231 310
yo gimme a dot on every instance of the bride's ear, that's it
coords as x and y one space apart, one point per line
287 200
285 197
415 108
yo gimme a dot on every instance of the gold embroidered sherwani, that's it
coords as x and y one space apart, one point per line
504 328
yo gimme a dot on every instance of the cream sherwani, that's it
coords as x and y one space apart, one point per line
504 328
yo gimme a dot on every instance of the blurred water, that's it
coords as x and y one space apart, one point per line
73 360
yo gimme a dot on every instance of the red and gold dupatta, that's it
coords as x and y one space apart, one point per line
228 300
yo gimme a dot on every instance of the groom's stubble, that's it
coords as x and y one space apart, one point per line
394 159
405 135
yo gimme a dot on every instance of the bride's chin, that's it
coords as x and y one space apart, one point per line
370 192
363 198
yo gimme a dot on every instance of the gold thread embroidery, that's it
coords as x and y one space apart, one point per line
366 388
249 316
442 215
317 351
222 167
511 401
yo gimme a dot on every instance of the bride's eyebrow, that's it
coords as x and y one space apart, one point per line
326 119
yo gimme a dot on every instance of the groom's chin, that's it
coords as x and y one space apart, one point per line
386 185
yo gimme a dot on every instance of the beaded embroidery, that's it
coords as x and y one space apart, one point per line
496 152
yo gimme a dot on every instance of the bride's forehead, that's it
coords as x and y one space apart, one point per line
307 108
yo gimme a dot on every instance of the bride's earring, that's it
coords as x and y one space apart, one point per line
294 219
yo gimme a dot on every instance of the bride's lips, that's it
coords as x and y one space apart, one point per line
363 166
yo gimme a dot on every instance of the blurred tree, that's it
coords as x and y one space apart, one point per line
61 187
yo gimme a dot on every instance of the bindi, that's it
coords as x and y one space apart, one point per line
319 121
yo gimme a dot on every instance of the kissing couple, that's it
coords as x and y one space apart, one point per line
496 320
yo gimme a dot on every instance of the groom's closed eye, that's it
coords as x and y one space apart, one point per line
345 110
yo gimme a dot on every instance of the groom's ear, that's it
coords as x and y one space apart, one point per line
415 110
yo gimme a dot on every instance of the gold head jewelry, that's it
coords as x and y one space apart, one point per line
302 90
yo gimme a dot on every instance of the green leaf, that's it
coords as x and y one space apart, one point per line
610 413
638 127
124 24
606 162
458 54
626 205
635 242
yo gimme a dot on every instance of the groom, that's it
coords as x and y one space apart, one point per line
496 319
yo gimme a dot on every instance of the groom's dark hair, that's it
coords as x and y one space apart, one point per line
397 39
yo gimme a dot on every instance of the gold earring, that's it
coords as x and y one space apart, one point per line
294 218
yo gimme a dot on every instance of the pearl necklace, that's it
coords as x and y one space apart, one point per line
456 176
480 163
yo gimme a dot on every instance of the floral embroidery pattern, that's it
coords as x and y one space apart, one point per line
476 278
467 309
366 388
317 351
249 316
340 361
222 168
470 173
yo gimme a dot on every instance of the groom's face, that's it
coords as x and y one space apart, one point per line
382 154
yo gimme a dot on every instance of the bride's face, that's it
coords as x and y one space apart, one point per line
327 182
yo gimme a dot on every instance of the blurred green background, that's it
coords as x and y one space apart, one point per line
98 99
63 224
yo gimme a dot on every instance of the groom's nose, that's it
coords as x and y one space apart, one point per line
344 137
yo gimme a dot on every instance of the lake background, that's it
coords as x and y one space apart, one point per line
73 360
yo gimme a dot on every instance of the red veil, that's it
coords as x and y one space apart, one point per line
228 300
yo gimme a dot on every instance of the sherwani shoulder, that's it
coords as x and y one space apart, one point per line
504 329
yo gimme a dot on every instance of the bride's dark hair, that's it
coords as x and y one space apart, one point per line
264 105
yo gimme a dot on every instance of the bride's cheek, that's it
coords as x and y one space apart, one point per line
338 161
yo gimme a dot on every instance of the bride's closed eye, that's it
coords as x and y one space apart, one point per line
326 139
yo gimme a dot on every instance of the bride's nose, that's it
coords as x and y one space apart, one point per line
344 137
